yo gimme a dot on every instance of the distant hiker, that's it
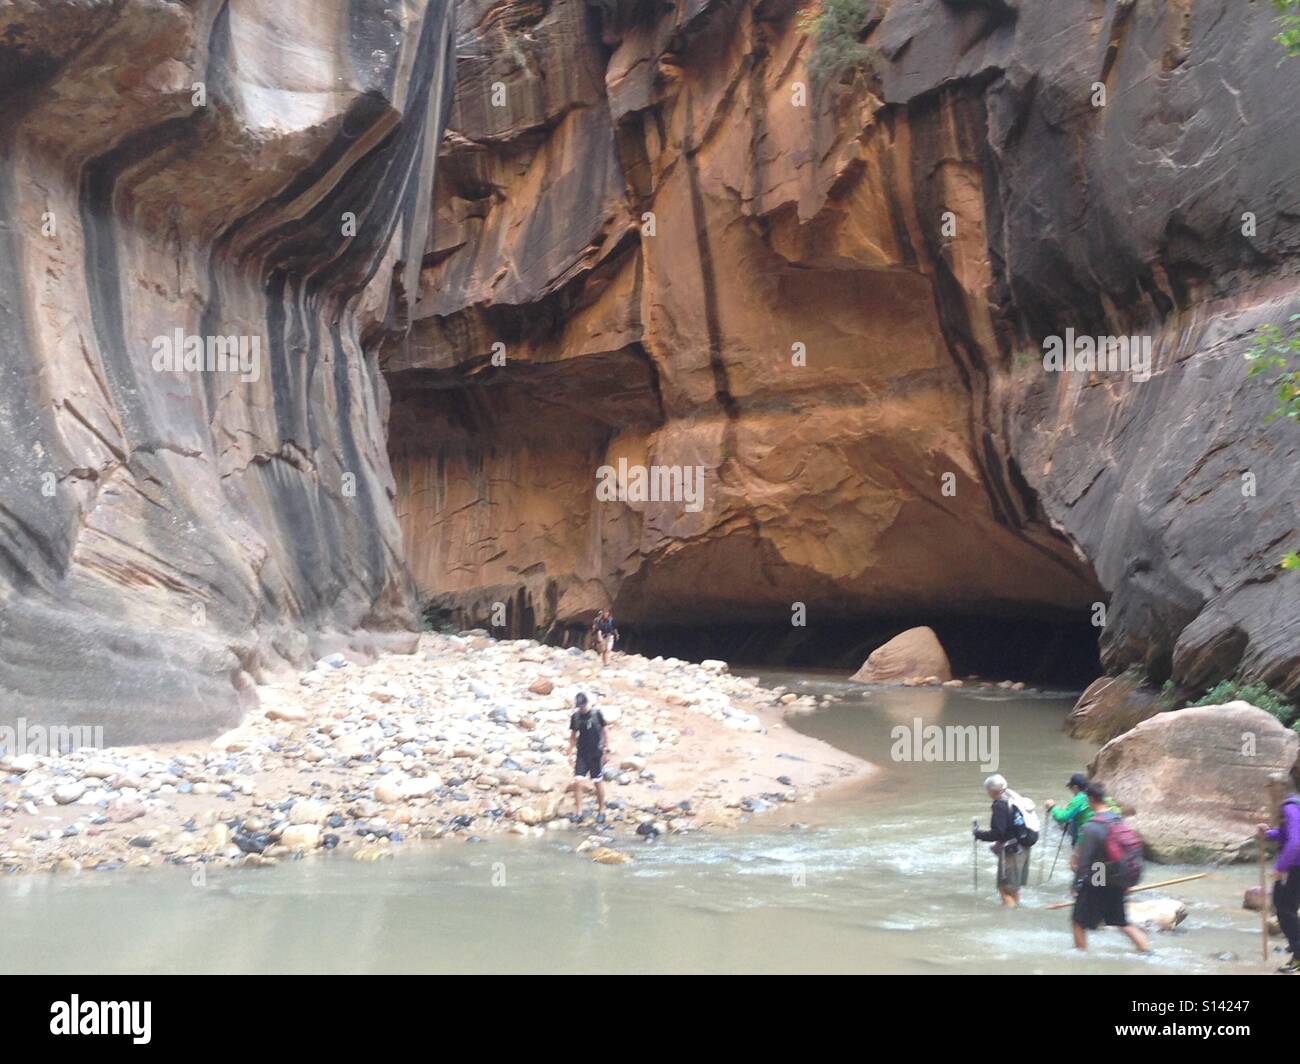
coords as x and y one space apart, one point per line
1286 886
1013 829
587 733
1075 814
606 634
1108 862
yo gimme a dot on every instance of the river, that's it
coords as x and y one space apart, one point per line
876 880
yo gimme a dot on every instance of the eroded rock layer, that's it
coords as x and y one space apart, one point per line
834 304
252 169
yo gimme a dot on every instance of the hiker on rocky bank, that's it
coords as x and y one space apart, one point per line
606 634
1107 862
1286 885
587 735
1075 814
1012 830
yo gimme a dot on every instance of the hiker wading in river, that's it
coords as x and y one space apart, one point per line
1012 830
1286 885
1075 814
1107 862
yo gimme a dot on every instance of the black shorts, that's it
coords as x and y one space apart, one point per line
1100 905
589 766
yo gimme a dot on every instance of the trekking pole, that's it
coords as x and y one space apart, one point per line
1059 843
975 856
1263 897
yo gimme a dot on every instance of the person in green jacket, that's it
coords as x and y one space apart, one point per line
1076 813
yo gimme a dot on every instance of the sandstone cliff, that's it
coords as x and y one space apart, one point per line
190 168
634 208
651 238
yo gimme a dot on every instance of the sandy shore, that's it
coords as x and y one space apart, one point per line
463 739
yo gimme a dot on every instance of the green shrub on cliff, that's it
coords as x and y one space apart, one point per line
1257 694
835 28
1289 18
1272 349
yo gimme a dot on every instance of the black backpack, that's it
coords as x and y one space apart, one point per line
1025 835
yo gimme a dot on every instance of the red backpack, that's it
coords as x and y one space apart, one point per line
1124 850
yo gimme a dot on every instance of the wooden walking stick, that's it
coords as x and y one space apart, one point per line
1138 890
1263 896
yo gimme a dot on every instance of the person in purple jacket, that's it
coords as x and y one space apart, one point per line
1286 888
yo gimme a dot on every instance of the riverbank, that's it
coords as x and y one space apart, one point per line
463 739
874 878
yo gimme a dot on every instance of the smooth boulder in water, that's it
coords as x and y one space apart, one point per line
1197 754
915 655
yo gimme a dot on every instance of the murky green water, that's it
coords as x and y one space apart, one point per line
878 881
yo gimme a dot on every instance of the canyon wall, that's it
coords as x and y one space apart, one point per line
650 237
657 239
254 171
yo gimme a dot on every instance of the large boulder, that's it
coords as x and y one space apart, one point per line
915 654
1112 705
1196 778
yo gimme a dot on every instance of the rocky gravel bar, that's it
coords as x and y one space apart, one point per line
463 739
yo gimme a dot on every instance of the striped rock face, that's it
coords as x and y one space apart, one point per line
210 213
842 304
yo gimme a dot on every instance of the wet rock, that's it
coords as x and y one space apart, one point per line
251 842
1158 914
1111 705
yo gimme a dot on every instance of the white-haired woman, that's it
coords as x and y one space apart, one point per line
1006 830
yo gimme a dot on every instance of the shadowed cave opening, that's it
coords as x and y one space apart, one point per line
1055 652
1058 651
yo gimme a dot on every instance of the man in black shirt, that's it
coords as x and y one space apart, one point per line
587 734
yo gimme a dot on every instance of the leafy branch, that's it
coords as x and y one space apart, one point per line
1271 349
1289 19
